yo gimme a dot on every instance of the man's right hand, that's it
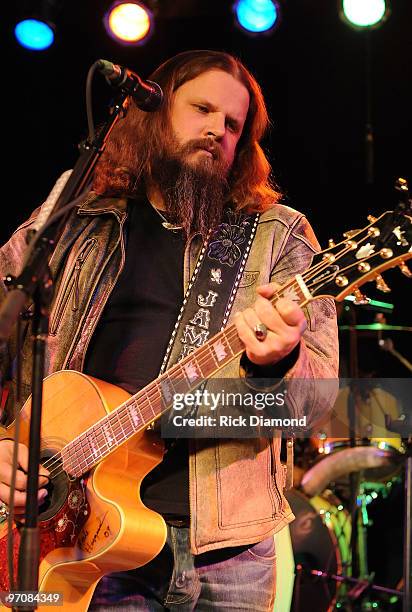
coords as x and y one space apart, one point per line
6 456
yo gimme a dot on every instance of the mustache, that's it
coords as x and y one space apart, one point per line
208 144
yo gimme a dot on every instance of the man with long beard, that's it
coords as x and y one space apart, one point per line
121 269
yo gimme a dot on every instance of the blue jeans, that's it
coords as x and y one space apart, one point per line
231 579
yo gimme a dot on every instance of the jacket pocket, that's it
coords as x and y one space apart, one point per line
69 289
249 277
243 463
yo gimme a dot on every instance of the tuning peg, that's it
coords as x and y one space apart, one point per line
381 284
405 270
350 233
386 253
360 298
341 280
401 184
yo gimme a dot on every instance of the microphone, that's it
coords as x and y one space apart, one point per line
147 95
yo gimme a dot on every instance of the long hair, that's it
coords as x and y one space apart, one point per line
135 138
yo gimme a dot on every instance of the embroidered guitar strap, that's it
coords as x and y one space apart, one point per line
211 292
212 288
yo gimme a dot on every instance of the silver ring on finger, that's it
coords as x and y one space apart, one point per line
4 511
261 332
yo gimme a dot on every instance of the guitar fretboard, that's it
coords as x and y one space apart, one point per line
146 406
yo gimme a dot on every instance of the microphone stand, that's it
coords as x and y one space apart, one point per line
29 550
35 282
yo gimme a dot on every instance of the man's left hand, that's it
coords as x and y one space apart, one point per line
285 325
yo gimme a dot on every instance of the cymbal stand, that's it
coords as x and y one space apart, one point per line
407 565
386 344
353 476
403 426
359 587
362 526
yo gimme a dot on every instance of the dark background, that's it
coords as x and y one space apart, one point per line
312 71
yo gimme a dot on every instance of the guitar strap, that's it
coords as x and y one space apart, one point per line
211 292
212 288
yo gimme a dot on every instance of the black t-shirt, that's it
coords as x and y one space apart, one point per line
130 340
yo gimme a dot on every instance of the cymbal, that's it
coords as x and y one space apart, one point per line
375 327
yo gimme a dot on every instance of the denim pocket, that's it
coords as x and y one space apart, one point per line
264 551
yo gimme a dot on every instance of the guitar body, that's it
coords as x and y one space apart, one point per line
96 524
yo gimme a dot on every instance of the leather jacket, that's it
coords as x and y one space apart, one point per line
236 485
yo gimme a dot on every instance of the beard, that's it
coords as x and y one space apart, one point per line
194 191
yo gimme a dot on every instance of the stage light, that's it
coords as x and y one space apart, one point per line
34 34
364 14
130 23
256 16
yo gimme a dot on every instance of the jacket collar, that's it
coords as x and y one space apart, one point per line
95 204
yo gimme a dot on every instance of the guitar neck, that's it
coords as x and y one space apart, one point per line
148 404
335 272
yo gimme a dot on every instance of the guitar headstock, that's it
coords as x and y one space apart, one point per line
386 242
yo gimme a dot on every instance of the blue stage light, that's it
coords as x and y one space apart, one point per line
34 34
256 15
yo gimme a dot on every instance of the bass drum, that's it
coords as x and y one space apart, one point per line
320 536
377 455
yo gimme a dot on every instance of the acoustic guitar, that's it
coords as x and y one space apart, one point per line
98 447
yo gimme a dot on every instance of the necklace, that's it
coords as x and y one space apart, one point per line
166 224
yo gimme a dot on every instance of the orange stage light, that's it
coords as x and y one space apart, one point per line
129 22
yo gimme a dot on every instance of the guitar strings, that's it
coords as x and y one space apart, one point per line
123 422
122 414
338 256
367 258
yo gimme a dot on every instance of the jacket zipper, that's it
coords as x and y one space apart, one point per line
108 291
71 286
273 476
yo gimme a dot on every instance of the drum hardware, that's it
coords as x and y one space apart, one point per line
359 587
386 344
362 526
402 426
336 461
374 463
358 535
375 459
358 395
320 536
371 463
354 393
375 327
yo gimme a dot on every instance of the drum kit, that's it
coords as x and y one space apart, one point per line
351 464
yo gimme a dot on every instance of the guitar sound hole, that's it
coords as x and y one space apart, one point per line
57 488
